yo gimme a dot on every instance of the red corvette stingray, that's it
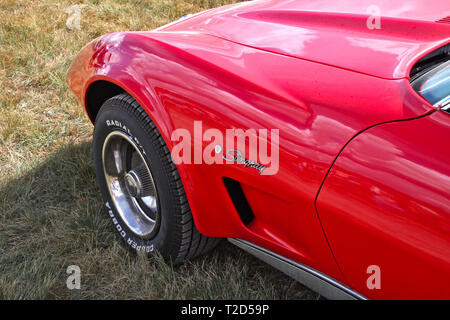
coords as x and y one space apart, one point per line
313 134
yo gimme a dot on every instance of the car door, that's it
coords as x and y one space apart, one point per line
385 205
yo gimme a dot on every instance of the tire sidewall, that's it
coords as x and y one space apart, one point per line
113 116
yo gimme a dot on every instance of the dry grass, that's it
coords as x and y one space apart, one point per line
51 215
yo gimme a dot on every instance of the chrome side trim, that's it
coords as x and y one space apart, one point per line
445 104
313 279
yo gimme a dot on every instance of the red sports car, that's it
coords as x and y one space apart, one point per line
313 134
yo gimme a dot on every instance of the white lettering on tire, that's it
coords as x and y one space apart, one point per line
130 241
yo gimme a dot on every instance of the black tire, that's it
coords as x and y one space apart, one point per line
176 237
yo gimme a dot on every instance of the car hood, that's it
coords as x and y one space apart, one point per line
383 40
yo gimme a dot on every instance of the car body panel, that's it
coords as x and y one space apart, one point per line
395 212
180 77
333 32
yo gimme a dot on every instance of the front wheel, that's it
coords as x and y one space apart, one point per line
140 184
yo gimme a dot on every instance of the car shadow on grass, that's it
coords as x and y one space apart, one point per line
53 217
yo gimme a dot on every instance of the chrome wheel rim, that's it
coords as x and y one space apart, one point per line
130 184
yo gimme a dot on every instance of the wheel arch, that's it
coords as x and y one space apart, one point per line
96 95
101 88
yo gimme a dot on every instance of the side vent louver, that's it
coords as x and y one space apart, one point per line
239 200
444 20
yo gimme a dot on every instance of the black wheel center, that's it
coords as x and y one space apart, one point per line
133 184
138 183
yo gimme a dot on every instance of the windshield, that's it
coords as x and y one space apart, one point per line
435 86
